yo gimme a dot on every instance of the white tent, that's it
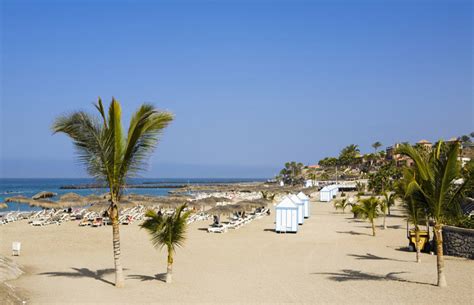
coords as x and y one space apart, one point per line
302 196
327 193
286 216
300 204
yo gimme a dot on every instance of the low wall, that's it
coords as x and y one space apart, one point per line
458 242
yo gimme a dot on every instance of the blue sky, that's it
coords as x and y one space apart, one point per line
252 84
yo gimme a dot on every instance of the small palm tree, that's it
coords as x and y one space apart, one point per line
167 231
110 156
341 204
376 146
368 209
432 186
387 202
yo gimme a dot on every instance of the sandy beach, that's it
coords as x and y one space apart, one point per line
331 260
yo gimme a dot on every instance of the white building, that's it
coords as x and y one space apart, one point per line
311 183
300 204
302 196
327 193
286 216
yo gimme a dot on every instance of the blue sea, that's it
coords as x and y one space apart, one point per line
30 187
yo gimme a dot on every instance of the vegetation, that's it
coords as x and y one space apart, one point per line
349 154
415 210
341 204
388 201
376 146
167 231
267 195
382 181
292 173
328 162
432 186
368 209
111 156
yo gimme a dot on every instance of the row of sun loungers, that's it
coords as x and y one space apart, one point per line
198 217
13 216
236 222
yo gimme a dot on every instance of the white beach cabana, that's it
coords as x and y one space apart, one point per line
302 196
327 193
286 216
300 204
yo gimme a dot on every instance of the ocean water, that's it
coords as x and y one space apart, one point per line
30 187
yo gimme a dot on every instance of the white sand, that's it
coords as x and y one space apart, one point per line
332 260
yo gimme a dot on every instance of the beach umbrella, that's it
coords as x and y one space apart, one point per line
18 199
71 200
211 201
251 204
46 204
3 205
225 209
42 195
95 199
103 206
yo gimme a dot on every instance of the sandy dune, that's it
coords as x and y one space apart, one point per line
332 260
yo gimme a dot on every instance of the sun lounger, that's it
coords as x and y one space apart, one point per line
221 229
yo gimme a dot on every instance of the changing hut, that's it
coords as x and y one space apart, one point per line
302 196
327 193
300 204
286 216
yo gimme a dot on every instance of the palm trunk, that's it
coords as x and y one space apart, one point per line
169 269
373 228
417 243
119 281
384 216
439 255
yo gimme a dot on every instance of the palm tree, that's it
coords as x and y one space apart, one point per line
348 154
376 146
432 185
387 202
413 209
341 204
110 156
368 209
167 231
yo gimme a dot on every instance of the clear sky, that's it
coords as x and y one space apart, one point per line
252 83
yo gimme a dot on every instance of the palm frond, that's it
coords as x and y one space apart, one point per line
86 134
145 128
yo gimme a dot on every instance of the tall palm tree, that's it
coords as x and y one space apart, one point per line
376 146
167 231
111 156
368 209
414 210
432 185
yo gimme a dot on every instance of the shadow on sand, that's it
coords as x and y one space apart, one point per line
84 272
146 278
269 230
369 256
346 275
352 233
396 227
